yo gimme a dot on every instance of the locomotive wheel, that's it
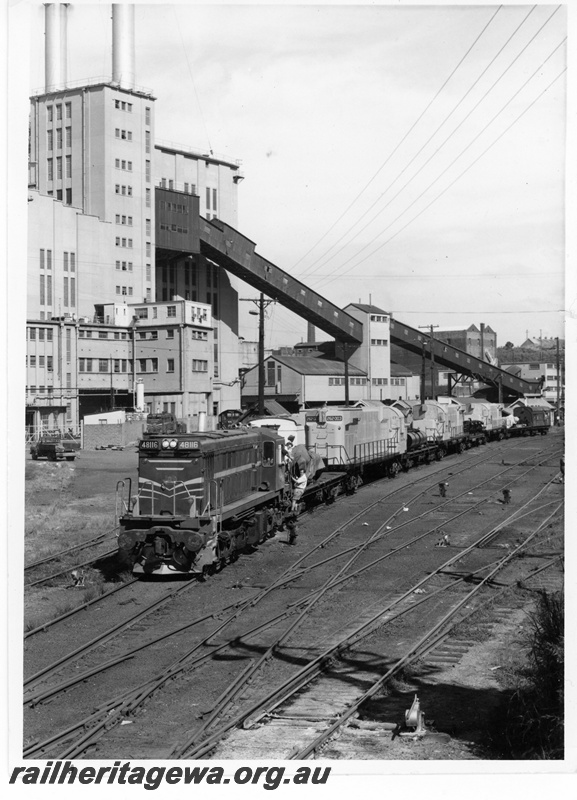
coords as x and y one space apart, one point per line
440 454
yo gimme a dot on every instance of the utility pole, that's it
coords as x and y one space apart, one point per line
433 392
347 401
558 365
261 304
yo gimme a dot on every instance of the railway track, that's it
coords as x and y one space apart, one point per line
125 703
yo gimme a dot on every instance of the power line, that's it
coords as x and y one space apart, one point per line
392 153
445 120
452 163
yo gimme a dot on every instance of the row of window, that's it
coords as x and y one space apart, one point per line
104 365
50 111
352 381
380 342
50 168
120 242
124 291
126 190
40 334
120 163
66 198
378 318
164 226
69 291
50 138
123 106
125 266
84 334
167 205
41 361
120 133
142 313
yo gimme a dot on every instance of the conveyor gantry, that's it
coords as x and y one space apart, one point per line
233 251
459 361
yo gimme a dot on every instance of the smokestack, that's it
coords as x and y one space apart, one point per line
310 332
123 45
56 45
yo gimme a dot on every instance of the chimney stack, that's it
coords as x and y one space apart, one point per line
310 332
56 45
123 72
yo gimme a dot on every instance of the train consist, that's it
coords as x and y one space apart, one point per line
205 497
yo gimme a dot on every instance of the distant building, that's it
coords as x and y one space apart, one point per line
299 382
546 371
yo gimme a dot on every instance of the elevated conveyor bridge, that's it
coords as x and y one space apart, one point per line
229 249
233 251
459 361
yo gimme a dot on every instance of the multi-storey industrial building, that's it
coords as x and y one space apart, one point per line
111 250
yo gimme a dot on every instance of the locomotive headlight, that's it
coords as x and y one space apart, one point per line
173 443
165 443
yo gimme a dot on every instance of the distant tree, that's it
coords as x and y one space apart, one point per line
509 345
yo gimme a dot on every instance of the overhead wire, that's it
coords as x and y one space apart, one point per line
179 28
354 227
402 140
450 185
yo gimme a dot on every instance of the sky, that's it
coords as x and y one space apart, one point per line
412 156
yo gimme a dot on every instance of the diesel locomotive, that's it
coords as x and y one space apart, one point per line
202 499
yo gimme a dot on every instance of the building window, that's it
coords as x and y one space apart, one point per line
141 313
59 138
147 141
148 250
102 365
147 115
103 334
50 140
68 166
49 290
50 169
199 365
170 334
148 227
171 311
49 113
59 168
68 107
148 198
379 342
40 361
207 197
81 365
214 199
65 294
170 365
42 291
58 111
147 171
534 366
68 137
68 199
49 363
32 361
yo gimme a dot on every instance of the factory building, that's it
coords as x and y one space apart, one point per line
109 229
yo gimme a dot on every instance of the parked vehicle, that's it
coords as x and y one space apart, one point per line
55 446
